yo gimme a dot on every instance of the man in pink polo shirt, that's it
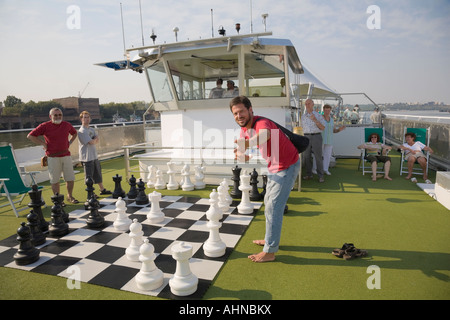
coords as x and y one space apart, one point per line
56 144
283 165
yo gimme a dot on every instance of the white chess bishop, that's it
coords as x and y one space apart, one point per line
122 222
214 247
155 215
183 282
172 184
149 277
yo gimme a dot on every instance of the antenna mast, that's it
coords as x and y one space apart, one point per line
123 32
142 28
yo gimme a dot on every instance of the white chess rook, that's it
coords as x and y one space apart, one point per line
214 247
155 215
183 282
149 277
122 222
136 233
245 207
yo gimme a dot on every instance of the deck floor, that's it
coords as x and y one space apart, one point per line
404 230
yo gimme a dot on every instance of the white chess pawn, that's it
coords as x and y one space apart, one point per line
214 247
245 207
183 282
136 233
155 215
151 178
160 184
172 184
199 178
122 222
149 277
187 184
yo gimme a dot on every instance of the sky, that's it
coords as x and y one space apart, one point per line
393 51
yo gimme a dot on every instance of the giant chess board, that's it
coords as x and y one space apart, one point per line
99 254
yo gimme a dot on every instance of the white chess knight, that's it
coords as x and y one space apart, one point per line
214 247
187 184
245 207
160 184
149 277
224 203
183 282
151 178
199 177
122 222
172 184
136 233
155 215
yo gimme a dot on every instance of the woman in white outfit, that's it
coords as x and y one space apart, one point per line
327 137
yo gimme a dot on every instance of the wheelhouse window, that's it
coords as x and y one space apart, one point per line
159 83
194 78
265 75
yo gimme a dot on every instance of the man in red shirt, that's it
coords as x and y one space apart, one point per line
56 145
283 165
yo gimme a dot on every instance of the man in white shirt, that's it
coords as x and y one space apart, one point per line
313 124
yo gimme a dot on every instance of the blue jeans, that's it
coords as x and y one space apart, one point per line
279 186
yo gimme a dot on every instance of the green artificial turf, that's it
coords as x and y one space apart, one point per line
404 230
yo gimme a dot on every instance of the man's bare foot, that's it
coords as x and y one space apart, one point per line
259 242
388 178
262 257
408 176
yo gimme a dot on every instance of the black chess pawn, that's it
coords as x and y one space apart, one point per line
133 193
235 192
36 204
58 227
37 236
59 199
263 192
90 191
254 193
27 252
141 198
118 191
95 219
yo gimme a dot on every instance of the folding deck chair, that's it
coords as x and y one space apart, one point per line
11 178
422 135
363 164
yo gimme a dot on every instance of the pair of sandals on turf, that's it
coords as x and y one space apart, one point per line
348 252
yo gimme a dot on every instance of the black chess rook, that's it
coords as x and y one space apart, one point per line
235 192
118 191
